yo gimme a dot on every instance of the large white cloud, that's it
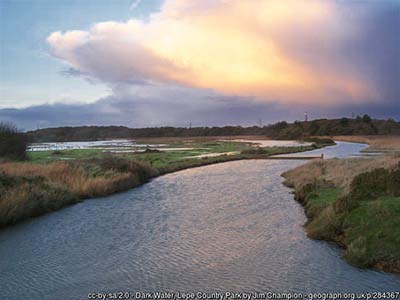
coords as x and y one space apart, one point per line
292 51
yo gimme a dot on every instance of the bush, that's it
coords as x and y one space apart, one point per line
320 141
12 143
369 186
255 151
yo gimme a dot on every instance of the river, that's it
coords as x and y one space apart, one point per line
230 226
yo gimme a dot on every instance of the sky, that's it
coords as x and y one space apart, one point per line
205 63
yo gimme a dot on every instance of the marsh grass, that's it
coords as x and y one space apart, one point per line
28 190
319 198
373 233
47 183
338 172
356 203
24 197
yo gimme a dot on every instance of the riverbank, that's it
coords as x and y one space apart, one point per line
31 189
355 203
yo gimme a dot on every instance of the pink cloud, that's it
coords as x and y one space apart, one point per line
288 51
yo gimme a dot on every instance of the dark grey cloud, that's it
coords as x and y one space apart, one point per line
376 52
212 110
370 50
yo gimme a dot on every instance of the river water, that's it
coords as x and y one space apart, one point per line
230 226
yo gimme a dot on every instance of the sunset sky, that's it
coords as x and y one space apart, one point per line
210 62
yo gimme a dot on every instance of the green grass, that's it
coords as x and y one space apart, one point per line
168 159
51 155
160 159
320 198
372 232
366 220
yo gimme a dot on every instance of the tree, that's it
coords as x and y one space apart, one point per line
366 118
280 125
344 122
314 127
13 143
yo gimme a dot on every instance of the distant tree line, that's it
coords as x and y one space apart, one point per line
13 143
361 125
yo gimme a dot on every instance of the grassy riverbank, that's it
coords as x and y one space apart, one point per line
51 180
355 203
29 190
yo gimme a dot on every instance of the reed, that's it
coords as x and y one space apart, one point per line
28 190
339 172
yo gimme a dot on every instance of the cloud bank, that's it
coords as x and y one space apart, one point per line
219 62
325 53
139 106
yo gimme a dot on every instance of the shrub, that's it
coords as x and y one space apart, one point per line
325 226
257 150
371 185
320 141
12 143
366 118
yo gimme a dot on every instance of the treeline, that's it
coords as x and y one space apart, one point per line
86 133
12 142
364 125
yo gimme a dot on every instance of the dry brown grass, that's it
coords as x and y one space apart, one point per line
28 190
305 174
73 178
29 198
339 172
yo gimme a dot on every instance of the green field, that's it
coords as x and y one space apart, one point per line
169 159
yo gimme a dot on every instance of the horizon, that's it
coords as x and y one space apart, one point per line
161 63
191 126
